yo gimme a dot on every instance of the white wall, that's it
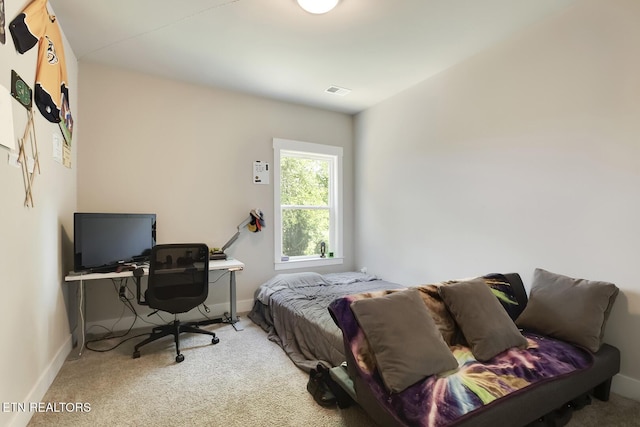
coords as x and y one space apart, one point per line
525 156
34 247
186 153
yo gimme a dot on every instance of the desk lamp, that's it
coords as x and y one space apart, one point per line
254 222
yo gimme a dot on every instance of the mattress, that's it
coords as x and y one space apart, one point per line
293 309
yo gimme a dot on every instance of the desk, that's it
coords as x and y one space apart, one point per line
231 265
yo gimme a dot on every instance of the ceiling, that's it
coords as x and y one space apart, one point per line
272 48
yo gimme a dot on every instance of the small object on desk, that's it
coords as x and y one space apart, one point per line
77 273
217 255
125 267
105 269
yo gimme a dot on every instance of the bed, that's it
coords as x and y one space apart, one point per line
293 309
540 382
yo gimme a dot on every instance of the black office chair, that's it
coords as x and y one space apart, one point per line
178 282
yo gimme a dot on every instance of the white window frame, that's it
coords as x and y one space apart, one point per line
310 150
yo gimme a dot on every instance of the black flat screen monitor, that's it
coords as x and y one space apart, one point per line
102 241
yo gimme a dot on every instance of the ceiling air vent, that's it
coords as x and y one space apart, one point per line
337 90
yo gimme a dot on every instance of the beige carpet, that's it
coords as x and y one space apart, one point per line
245 380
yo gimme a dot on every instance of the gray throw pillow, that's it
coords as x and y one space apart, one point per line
574 310
403 336
484 323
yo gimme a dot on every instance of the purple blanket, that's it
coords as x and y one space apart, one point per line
446 399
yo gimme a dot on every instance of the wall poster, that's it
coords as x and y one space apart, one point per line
21 91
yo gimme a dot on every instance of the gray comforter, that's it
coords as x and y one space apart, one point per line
292 308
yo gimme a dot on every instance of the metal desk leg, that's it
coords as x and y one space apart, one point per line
232 316
80 340
83 321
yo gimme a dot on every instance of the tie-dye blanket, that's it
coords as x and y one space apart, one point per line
448 398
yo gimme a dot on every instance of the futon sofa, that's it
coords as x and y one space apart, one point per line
484 355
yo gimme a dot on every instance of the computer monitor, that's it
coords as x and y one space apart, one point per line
103 241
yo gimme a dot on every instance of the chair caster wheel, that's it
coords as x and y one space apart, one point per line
136 354
215 340
179 358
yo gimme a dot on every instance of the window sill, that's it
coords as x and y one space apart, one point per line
307 263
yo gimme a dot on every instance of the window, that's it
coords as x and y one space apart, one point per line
307 204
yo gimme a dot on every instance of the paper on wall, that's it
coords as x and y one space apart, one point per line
57 148
7 135
260 172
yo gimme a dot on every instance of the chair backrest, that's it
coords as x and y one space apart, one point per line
178 277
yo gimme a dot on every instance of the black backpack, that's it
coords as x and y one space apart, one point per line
325 390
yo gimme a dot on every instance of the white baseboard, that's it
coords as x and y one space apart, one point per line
122 324
626 386
244 306
21 419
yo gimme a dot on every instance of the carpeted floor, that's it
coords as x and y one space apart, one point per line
245 380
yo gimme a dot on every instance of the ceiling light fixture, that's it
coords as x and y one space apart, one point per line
317 6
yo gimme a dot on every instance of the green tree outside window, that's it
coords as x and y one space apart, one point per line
304 192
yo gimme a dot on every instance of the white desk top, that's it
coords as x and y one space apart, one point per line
218 264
